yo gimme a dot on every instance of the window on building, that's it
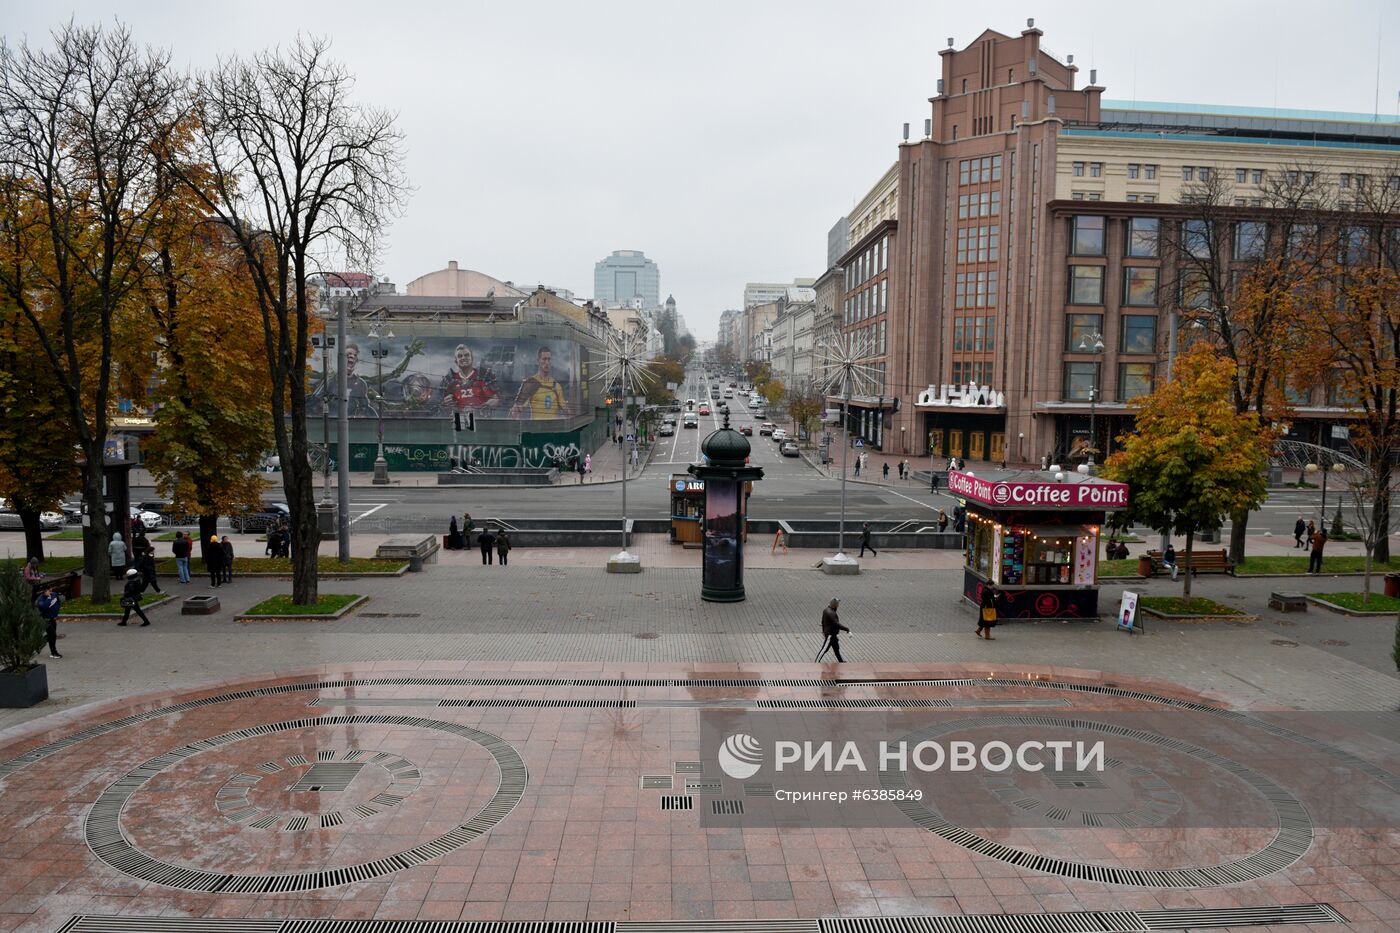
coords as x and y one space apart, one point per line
884 253
1139 333
1134 380
1086 235
1203 173
996 168
1360 181
1132 199
1086 285
1256 176
1079 326
1140 286
1132 170
1195 290
1149 171
1077 196
1188 173
963 173
1345 180
885 295
1143 240
963 203
1081 381
1309 177
1302 239
1095 196
1077 170
1353 245
1240 175
1095 169
1196 238
1251 238
964 90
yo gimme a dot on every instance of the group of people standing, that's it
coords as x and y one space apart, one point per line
1308 535
493 542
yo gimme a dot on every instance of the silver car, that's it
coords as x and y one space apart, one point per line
48 521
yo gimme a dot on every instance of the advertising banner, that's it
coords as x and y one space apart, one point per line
523 379
1127 611
1016 494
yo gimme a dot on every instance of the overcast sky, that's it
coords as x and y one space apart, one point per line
723 139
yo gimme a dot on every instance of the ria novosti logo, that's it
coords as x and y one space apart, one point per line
740 756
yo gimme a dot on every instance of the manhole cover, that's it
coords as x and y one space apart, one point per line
645 635
1335 641
1284 643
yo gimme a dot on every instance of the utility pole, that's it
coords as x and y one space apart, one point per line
343 430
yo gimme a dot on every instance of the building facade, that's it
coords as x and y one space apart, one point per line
626 274
866 287
454 282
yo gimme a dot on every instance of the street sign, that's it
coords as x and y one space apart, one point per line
631 438
858 443
464 421
1127 613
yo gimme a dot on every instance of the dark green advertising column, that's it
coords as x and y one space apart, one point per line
726 474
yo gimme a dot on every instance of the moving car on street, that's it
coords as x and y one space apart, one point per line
788 448
692 420
667 429
765 428
746 429
260 519
704 409
779 434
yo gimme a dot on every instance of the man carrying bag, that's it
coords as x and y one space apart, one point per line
831 632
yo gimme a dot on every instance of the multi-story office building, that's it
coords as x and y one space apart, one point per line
1035 215
626 274
865 302
761 293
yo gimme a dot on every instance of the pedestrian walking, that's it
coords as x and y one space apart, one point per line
487 542
146 567
502 547
227 548
180 547
587 465
987 613
48 605
1299 529
942 521
885 472
33 575
131 598
116 553
579 465
831 632
454 536
857 466
1169 559
959 519
933 481
1319 541
214 561
865 541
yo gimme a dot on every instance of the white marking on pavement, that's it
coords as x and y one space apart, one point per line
370 512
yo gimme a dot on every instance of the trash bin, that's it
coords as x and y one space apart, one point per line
1392 584
415 564
1144 566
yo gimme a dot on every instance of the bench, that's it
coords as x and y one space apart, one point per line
1200 562
67 583
1288 602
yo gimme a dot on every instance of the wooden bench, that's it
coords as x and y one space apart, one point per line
1200 562
66 583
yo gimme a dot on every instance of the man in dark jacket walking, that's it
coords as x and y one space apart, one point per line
131 597
227 548
48 605
831 631
146 566
1300 528
487 542
865 541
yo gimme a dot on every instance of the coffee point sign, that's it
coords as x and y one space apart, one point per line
1091 493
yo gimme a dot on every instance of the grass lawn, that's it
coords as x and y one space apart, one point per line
67 534
83 605
283 565
1118 568
326 604
1353 601
1252 566
51 564
1197 606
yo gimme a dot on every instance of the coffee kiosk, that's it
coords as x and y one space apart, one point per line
1035 536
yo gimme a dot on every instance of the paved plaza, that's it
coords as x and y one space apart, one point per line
487 744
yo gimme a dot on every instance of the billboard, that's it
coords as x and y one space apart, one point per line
519 378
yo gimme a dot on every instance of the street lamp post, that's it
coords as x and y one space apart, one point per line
847 373
381 465
1093 343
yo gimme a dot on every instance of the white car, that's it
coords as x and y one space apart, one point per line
48 521
779 435
149 519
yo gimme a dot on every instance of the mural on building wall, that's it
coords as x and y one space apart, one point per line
516 378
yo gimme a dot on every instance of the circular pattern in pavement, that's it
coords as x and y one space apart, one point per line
103 832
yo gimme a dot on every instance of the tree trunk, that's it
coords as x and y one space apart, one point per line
1186 570
1239 525
1366 580
33 534
98 534
1380 510
208 528
306 536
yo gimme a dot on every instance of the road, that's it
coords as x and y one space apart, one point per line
791 489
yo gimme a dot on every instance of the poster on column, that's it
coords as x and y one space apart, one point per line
523 379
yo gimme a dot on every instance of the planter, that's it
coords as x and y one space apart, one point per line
20 690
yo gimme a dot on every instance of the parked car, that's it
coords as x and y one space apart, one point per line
48 521
72 512
152 520
746 429
260 519
788 448
667 429
765 428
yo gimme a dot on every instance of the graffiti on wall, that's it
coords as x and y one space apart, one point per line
439 458
497 458
415 377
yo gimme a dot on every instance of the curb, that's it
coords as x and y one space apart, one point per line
316 617
104 616
321 575
1173 617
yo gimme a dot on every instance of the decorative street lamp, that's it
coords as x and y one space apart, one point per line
625 362
846 375
381 465
1093 343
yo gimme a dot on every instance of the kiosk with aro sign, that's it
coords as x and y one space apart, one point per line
1035 535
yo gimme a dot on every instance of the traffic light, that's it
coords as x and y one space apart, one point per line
464 421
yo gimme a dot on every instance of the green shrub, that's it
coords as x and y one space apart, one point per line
21 626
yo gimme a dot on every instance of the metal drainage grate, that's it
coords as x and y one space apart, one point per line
327 776
677 802
727 807
690 767
694 786
657 782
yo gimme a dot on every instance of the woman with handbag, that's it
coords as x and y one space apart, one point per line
987 619
131 597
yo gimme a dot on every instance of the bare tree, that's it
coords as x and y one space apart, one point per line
79 201
1242 268
305 178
